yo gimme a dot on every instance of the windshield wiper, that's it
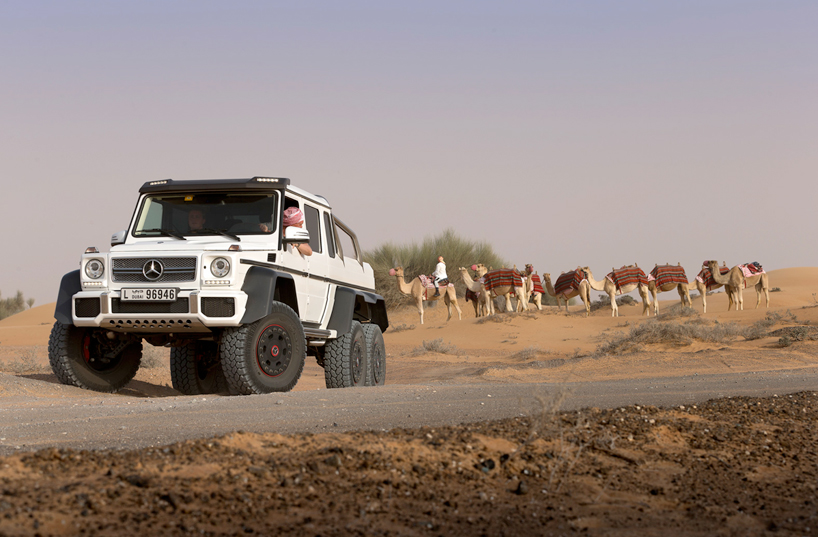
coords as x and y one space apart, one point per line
165 232
222 232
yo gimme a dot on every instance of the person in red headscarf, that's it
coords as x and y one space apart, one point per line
295 218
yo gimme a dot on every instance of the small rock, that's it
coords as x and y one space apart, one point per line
522 488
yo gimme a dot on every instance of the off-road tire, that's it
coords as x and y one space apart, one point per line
265 356
195 368
345 359
375 355
76 358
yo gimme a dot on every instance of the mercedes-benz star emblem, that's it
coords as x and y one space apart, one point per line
153 269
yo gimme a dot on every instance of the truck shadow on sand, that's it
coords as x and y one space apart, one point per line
135 388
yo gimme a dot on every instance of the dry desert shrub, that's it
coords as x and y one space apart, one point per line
677 311
435 345
25 364
604 301
401 327
529 353
496 318
675 333
154 357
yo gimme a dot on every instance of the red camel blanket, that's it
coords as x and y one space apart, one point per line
471 295
502 278
665 274
707 278
627 276
568 282
537 284
751 269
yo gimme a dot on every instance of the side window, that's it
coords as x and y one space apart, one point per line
347 244
330 235
313 222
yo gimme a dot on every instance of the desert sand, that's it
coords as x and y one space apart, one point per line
742 466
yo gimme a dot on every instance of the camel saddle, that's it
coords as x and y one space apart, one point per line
502 278
751 269
627 275
705 277
537 284
568 282
428 284
665 274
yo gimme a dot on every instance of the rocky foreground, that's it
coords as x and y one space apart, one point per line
737 466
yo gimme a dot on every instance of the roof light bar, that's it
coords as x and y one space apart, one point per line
266 179
162 182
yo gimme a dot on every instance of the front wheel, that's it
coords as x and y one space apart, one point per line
195 368
345 360
265 356
376 355
88 358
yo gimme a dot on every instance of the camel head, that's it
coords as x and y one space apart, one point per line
396 272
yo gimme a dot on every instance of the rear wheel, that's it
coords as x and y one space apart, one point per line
345 359
195 368
375 354
88 358
265 356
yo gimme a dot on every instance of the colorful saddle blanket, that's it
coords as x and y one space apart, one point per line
627 276
665 274
568 282
751 269
471 295
429 283
537 284
707 278
502 278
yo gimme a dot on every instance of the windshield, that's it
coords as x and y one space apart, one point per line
181 215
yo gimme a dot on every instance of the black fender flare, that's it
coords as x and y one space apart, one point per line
260 285
351 304
69 286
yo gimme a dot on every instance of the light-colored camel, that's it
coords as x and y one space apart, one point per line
609 287
682 288
733 283
761 282
528 275
481 305
703 290
584 293
416 290
506 291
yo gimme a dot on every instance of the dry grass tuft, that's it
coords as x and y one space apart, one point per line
496 318
675 333
401 327
436 345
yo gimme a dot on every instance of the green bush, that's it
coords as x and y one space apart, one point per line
10 306
421 258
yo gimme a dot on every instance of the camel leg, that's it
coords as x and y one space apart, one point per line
448 302
522 299
538 301
655 292
420 308
614 306
686 291
643 291
704 300
508 302
452 294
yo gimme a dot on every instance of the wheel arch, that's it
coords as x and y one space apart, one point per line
69 286
354 305
263 286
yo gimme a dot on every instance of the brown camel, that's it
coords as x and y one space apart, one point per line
416 290
761 281
733 283
609 287
703 288
531 285
682 287
583 292
481 305
503 290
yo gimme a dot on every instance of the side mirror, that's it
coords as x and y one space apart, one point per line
294 235
118 238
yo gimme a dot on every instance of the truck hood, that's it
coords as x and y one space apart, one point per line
215 244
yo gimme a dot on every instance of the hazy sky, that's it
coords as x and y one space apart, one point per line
563 133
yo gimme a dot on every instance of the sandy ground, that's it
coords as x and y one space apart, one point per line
740 466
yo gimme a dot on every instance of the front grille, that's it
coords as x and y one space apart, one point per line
179 306
86 307
218 306
176 269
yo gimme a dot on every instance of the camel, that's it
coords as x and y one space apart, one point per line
761 281
481 305
703 289
609 287
531 285
733 282
503 290
416 290
682 287
583 292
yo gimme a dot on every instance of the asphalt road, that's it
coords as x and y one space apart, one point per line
100 421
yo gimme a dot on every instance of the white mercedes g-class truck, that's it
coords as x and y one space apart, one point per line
209 269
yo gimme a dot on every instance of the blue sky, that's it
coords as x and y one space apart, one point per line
563 133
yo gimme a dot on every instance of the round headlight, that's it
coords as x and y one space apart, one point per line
94 269
219 267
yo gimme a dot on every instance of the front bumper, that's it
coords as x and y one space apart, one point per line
192 311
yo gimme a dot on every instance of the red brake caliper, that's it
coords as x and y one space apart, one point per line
86 347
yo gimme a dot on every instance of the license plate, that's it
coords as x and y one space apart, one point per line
148 295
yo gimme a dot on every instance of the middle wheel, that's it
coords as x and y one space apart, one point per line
345 359
195 368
